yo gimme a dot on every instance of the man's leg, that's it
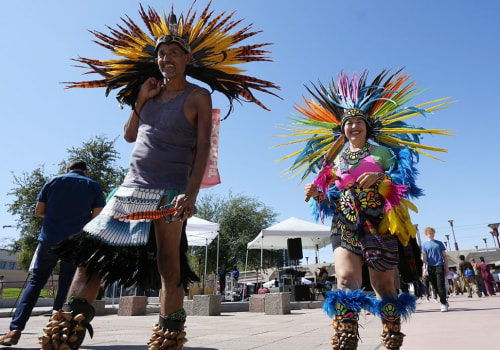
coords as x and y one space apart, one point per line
42 268
66 273
467 286
441 289
71 322
170 328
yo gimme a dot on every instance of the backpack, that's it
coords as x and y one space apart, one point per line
468 272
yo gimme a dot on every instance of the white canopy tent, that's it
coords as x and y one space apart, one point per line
313 236
200 233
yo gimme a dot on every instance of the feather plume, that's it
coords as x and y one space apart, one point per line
216 58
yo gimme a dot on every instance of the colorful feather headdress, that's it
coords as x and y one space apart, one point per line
213 49
381 103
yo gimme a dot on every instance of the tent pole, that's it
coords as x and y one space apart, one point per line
217 264
246 264
206 253
261 253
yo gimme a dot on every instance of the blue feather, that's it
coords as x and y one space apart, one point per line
405 305
354 300
404 172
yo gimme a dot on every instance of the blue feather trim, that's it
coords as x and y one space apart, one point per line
326 210
354 300
404 172
405 305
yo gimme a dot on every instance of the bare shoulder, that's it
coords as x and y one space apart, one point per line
198 106
200 94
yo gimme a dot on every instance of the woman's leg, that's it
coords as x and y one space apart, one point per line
345 305
390 308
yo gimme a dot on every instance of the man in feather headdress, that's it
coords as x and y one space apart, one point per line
139 238
170 125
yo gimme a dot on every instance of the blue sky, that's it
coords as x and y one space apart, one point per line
449 47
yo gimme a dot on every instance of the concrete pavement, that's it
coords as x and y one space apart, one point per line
471 323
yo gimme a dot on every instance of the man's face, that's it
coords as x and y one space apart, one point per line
172 60
430 235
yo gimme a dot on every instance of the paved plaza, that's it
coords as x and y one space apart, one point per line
471 323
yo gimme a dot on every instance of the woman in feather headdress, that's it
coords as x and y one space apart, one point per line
139 237
365 188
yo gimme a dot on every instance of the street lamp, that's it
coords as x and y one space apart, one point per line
448 239
446 245
485 243
494 233
453 231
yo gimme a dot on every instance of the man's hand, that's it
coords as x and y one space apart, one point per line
184 203
149 89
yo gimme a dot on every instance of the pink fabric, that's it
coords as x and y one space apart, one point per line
211 176
368 164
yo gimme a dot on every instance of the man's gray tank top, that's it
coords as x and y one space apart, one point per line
164 148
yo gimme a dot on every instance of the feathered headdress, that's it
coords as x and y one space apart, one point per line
380 103
213 49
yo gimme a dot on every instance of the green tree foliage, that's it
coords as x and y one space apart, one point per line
241 218
100 155
25 192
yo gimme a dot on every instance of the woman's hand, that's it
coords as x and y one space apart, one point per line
366 180
310 191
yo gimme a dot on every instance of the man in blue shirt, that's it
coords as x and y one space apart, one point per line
66 203
436 265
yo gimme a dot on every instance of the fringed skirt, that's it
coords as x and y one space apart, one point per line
122 250
355 227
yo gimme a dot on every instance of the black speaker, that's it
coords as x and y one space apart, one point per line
301 293
294 248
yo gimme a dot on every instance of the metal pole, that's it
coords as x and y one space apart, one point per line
448 239
453 231
206 253
494 227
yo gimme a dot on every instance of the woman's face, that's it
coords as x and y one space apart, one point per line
355 129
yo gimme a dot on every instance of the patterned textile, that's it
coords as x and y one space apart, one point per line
127 200
359 212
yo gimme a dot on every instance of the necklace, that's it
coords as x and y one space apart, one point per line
354 157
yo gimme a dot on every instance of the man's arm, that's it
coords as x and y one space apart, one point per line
445 259
424 266
202 107
40 209
95 212
149 89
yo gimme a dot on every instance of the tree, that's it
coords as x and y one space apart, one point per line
241 218
99 154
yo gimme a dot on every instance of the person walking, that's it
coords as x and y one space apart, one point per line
2 285
140 236
235 276
466 273
479 279
436 265
66 203
222 280
489 281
